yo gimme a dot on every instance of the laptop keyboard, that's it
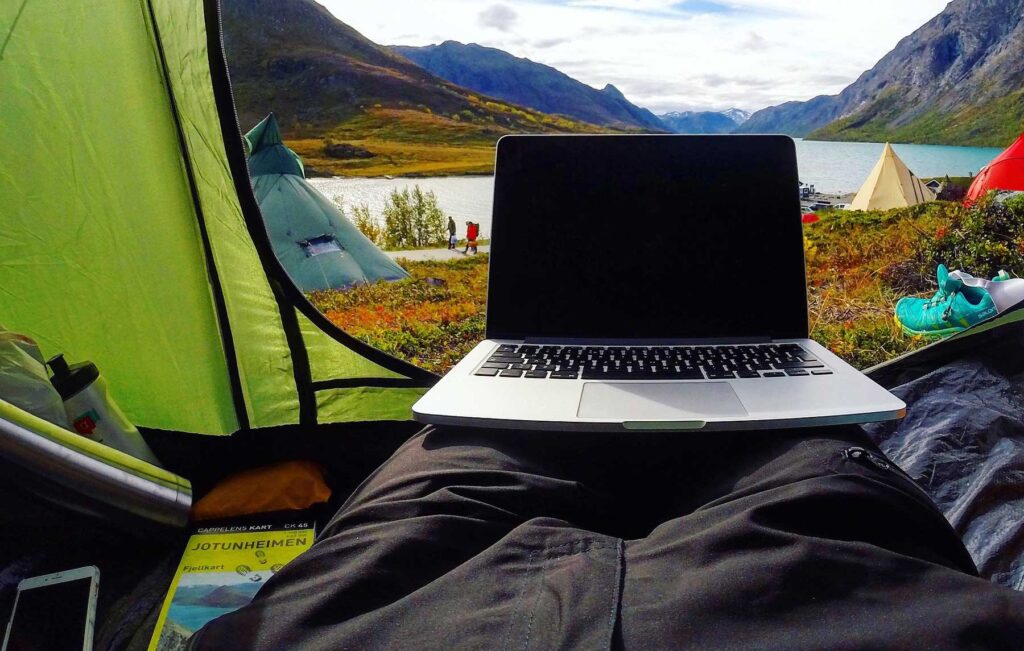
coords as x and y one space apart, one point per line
651 362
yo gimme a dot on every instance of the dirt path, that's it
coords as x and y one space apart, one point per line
433 254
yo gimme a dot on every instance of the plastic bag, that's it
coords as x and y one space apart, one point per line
24 381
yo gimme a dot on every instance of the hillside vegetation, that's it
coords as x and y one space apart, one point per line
992 124
329 85
956 80
414 142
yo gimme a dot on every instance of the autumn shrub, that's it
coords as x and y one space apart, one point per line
367 224
413 219
983 239
859 264
432 318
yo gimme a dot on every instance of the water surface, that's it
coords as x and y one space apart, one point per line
829 166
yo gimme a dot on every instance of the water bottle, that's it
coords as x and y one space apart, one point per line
92 412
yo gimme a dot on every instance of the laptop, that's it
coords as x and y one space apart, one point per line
649 282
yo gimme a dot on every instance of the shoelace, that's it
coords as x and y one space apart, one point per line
941 297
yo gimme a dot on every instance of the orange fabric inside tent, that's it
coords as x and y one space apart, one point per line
288 486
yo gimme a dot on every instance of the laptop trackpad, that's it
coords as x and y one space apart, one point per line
647 401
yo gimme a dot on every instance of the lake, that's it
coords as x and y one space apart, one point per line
829 166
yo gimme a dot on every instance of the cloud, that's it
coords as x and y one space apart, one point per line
715 80
663 8
545 43
703 7
754 41
667 54
832 79
499 17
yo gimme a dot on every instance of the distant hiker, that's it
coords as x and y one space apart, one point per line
472 232
452 240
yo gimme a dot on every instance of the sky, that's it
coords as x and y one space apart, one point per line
666 55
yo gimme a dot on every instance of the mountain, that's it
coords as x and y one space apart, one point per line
739 116
221 596
521 81
796 119
295 58
231 596
704 121
956 80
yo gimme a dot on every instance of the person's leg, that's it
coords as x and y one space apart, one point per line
749 540
809 539
461 539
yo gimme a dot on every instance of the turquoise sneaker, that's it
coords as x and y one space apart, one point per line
955 307
1005 290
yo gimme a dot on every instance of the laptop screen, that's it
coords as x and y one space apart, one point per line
646 237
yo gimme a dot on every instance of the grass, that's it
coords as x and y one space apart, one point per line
417 142
990 123
431 319
397 159
405 143
858 265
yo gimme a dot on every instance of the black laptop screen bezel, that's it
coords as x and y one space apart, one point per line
504 261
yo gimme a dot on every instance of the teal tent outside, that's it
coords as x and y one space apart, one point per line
317 245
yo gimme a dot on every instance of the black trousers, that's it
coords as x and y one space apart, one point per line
803 539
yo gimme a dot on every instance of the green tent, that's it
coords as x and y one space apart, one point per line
316 244
131 238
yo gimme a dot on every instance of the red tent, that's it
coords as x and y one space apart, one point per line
1005 172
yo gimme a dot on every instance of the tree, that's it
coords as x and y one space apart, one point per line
367 224
413 219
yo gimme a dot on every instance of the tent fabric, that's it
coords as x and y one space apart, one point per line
1005 172
131 235
86 232
962 439
317 245
891 184
268 153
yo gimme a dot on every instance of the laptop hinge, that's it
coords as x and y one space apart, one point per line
696 341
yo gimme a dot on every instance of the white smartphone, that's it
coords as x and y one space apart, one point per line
55 612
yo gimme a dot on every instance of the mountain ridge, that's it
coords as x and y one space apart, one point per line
519 80
955 80
705 122
328 84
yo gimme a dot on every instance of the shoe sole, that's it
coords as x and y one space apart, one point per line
928 333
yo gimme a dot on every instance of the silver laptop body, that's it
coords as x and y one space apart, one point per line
649 282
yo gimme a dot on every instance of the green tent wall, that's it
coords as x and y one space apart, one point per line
131 236
296 214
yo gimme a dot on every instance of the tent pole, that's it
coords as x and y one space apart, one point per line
92 479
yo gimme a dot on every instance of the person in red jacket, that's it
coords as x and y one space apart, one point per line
472 231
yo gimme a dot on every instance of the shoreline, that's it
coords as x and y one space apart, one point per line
396 177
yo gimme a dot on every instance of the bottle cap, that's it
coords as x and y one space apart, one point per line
70 379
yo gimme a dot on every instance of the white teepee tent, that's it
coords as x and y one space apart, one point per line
891 184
